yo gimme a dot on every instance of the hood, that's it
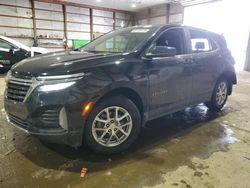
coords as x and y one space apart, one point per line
65 62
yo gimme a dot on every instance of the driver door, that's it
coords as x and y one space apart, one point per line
170 77
5 57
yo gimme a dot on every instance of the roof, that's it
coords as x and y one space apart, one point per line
16 43
165 26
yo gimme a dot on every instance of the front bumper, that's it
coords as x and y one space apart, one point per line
41 113
53 136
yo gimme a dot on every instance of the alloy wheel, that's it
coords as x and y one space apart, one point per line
221 93
112 126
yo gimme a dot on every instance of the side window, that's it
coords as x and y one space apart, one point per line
200 42
4 44
172 38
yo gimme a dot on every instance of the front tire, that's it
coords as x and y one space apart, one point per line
113 125
219 96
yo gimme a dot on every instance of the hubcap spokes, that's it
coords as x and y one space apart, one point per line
112 126
221 93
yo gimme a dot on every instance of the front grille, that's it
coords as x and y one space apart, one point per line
50 118
17 121
17 88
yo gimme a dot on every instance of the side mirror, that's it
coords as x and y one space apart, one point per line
14 50
162 51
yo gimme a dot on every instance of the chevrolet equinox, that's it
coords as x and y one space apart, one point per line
104 92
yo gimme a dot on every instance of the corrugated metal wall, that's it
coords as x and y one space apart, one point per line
56 24
247 62
160 14
176 13
16 20
49 25
122 20
102 21
78 24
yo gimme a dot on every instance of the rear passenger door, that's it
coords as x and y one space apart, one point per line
206 64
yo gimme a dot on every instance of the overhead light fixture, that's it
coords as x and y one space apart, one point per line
98 1
133 5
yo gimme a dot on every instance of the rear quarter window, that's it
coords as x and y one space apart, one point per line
201 42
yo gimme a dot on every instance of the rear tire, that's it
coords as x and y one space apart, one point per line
112 126
219 96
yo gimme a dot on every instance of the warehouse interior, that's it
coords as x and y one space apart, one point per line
59 25
192 148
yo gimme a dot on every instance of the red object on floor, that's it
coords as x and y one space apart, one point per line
83 172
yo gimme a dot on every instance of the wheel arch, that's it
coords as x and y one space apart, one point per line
129 93
231 78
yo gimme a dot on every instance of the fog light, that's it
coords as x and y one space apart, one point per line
63 121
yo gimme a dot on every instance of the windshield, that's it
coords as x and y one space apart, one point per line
120 41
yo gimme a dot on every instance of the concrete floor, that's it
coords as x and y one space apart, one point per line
192 148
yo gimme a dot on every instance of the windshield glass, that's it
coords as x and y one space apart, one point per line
120 41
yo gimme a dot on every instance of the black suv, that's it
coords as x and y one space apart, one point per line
103 93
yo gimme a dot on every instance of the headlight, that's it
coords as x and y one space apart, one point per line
58 82
55 87
7 76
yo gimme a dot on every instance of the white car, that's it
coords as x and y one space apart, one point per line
12 51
